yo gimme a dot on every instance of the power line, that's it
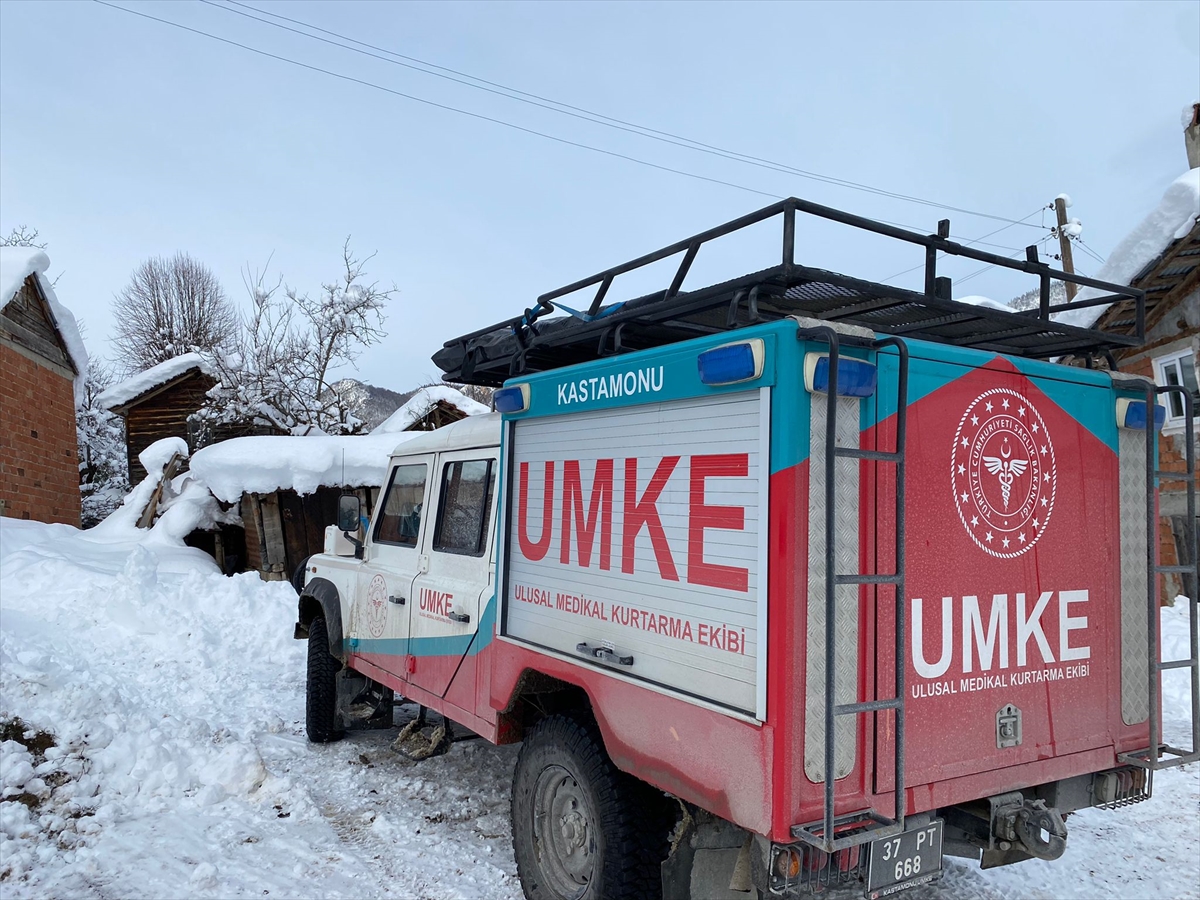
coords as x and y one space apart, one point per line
580 112
436 105
980 271
1089 251
481 116
1015 252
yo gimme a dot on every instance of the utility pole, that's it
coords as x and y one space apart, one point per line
1064 244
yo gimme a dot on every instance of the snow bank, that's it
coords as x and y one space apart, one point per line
1175 215
976 300
161 751
17 264
424 400
263 464
155 376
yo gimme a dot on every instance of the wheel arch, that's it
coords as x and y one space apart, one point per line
321 598
535 696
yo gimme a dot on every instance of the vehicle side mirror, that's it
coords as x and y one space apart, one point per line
348 513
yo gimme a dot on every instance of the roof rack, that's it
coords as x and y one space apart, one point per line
529 343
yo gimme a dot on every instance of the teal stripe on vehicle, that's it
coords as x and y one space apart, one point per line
447 645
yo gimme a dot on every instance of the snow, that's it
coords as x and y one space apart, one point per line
419 405
17 264
1066 199
263 464
179 768
1175 216
975 300
155 376
174 699
1187 116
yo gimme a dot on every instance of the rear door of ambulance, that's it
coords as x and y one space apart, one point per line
1021 494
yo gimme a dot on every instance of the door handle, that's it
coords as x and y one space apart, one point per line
458 617
604 654
399 601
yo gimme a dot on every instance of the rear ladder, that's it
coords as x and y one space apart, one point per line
1158 755
831 832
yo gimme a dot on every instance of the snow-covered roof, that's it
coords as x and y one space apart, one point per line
422 402
1175 216
260 465
17 264
155 376
465 434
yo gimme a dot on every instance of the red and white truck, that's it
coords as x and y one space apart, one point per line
737 562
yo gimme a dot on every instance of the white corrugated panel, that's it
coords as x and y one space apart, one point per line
698 631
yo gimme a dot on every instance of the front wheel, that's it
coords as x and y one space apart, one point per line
320 706
582 829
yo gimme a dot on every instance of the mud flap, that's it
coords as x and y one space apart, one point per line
710 859
361 703
418 741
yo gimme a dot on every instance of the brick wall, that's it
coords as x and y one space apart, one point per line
1170 459
39 466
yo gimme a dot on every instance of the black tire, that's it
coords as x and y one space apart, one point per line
320 706
610 836
298 575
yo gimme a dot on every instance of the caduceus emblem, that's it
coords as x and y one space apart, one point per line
1006 469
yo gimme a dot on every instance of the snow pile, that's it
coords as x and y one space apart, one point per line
155 376
17 264
260 465
1174 217
422 402
151 744
977 300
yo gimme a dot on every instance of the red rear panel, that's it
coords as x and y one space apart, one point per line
1013 581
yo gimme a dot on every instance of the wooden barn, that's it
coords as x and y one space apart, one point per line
157 403
286 488
42 362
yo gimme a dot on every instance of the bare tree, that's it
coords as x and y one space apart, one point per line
289 348
22 236
171 306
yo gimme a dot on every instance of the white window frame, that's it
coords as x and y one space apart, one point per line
1173 423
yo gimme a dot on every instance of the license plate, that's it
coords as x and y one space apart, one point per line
905 860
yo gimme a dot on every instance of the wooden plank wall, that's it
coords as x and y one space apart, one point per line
283 528
163 415
26 321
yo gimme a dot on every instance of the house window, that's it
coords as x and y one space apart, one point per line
1178 369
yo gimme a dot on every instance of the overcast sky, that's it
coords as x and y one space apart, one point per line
123 138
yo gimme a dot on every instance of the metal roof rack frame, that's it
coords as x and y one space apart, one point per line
529 343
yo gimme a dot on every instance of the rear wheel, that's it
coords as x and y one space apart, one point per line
320 707
582 829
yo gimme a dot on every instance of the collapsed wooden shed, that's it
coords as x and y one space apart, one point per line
286 488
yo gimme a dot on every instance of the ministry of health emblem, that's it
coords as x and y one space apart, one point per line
1003 473
376 606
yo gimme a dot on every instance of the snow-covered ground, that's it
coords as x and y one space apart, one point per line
176 764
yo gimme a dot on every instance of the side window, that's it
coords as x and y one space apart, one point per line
466 504
400 516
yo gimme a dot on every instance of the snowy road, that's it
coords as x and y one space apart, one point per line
179 767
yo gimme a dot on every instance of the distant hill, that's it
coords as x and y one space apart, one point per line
372 404
1031 298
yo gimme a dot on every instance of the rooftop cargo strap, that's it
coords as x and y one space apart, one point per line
532 343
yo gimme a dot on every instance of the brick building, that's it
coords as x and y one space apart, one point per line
42 364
